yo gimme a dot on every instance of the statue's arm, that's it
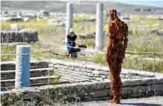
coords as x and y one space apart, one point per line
111 34
126 37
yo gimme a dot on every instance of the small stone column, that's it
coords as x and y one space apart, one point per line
99 39
22 73
69 18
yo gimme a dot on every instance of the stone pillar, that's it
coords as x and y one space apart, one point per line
22 73
69 18
99 39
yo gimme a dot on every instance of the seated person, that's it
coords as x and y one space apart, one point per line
71 37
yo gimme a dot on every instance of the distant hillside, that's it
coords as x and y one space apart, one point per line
83 7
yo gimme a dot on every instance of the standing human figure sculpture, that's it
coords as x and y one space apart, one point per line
118 41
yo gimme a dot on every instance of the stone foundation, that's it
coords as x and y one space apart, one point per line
19 36
75 72
85 91
86 82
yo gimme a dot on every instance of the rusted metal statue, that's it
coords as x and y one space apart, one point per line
118 41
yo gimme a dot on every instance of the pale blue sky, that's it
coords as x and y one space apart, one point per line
157 3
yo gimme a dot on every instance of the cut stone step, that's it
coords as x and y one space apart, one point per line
35 81
41 72
11 65
43 80
75 74
74 79
7 66
72 76
10 74
35 65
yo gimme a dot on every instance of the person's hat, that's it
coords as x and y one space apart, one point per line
71 30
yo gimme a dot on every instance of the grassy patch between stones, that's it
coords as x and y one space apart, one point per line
154 66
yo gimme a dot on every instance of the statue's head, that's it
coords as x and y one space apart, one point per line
113 14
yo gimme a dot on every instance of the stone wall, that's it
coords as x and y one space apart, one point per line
76 72
19 36
84 91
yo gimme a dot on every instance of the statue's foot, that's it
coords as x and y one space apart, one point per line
114 101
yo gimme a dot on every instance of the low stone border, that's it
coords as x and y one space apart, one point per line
86 91
19 36
75 71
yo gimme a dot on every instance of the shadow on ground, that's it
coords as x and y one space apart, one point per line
139 104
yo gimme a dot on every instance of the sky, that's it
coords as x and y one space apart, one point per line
157 3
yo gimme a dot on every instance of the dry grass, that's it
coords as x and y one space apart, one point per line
139 41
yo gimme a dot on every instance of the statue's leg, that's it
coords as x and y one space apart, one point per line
116 83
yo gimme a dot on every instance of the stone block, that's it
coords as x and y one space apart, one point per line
18 36
77 69
100 93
